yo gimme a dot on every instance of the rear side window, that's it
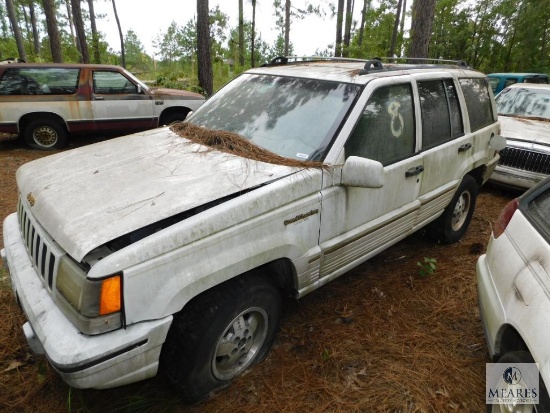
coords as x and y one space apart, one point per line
538 211
39 81
480 111
441 116
386 130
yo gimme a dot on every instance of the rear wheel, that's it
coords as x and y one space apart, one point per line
544 399
45 134
452 225
220 334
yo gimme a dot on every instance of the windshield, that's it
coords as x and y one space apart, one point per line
292 117
521 101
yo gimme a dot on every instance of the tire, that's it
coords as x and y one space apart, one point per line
452 225
45 134
544 399
220 334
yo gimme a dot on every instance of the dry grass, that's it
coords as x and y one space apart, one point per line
379 339
235 144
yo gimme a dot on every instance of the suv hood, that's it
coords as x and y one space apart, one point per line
525 129
88 196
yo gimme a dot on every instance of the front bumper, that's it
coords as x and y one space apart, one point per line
107 360
515 178
491 310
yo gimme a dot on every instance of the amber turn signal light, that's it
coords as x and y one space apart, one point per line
110 297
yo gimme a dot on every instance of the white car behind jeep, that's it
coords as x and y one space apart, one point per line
172 248
513 287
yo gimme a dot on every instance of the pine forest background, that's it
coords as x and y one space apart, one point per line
491 35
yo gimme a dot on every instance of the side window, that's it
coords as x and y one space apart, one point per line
386 130
480 111
441 116
112 83
457 123
39 81
509 81
494 81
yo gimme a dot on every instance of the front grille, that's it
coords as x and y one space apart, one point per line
39 248
526 160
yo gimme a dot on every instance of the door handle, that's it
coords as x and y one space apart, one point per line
414 171
98 97
464 147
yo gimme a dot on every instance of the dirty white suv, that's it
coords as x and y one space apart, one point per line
172 247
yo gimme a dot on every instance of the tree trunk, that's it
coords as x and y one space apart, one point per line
339 20
287 27
122 51
203 48
71 24
347 31
241 33
53 32
363 21
95 36
35 36
253 39
402 26
421 27
395 29
15 28
80 32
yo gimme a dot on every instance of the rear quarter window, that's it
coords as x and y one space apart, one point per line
478 101
538 212
39 81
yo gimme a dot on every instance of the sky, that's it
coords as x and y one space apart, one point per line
149 18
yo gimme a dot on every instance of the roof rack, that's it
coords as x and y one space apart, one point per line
371 65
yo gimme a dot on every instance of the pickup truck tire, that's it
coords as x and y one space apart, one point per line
513 357
45 134
451 226
220 334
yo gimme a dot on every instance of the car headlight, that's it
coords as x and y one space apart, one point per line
93 305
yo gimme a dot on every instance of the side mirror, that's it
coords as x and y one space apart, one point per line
139 89
497 142
363 173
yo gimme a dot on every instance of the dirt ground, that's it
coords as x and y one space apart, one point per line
381 338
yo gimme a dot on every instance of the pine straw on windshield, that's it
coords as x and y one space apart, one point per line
236 144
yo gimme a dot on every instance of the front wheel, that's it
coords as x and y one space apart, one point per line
220 334
452 225
45 134
516 357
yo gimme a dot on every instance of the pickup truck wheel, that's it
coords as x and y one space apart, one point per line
513 357
45 134
451 226
220 334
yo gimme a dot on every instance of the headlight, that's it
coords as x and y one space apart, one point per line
93 305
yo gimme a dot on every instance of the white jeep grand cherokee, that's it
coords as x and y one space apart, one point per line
172 247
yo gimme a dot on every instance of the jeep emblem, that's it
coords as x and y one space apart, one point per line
30 198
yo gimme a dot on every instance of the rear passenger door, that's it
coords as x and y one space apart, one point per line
449 142
118 103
